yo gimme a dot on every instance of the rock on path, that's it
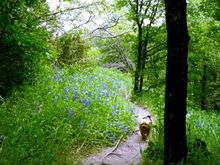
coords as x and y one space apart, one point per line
126 153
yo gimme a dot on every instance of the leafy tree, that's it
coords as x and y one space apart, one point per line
204 50
144 15
72 48
23 42
175 146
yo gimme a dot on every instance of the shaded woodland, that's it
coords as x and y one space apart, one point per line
72 72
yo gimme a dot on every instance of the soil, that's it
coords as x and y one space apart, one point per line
122 153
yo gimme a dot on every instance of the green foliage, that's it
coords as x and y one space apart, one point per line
203 51
154 102
72 48
202 125
62 113
117 52
23 43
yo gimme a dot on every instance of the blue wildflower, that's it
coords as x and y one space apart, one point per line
99 99
55 77
124 129
114 109
60 80
71 113
125 97
66 90
72 89
74 96
106 93
81 124
104 85
85 102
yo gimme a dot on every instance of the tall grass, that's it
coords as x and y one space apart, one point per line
201 125
64 112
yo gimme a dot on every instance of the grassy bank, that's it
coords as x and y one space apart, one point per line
66 113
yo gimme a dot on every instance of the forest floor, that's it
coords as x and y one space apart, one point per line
126 152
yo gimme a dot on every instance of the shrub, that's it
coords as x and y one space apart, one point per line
72 48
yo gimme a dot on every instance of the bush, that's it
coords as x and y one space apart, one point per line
23 44
72 48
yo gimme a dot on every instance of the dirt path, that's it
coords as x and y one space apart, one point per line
123 153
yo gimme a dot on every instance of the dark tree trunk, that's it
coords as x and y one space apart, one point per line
144 55
175 146
138 63
203 101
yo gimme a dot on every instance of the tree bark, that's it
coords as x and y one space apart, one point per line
175 146
144 55
138 63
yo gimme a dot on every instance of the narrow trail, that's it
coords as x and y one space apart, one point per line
123 153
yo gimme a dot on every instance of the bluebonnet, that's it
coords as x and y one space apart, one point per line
85 102
126 97
81 124
99 98
106 93
71 113
55 77
124 129
104 85
66 90
72 89
114 109
74 95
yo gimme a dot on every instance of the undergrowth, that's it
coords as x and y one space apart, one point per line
66 111
203 133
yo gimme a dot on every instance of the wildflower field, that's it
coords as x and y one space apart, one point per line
64 113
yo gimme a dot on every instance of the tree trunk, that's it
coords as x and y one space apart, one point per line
144 55
138 63
175 146
203 101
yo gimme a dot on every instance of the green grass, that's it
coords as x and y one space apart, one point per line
203 125
66 113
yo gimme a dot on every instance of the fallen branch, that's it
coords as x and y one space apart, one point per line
111 152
